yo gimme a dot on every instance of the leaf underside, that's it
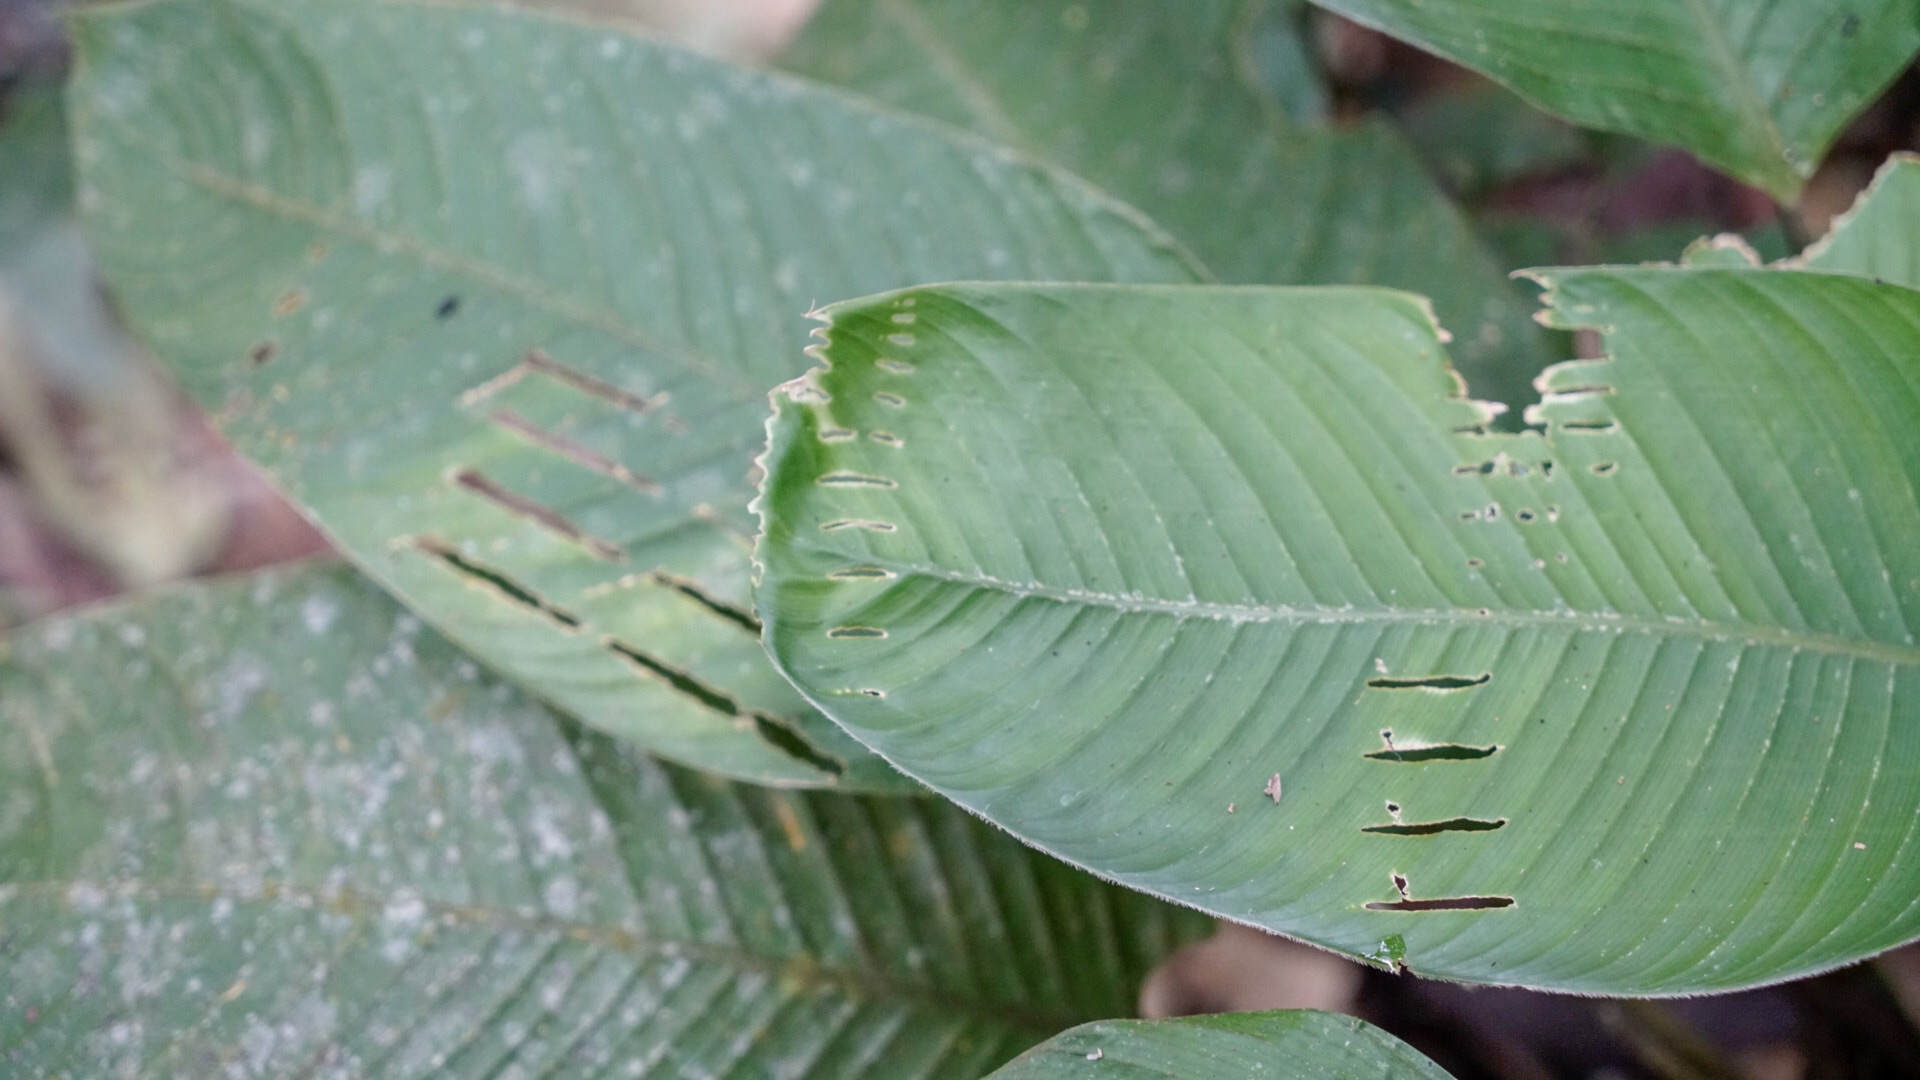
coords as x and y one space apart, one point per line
1163 105
1230 595
497 299
1758 88
275 827
1230 1046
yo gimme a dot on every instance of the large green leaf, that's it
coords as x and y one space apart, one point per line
1230 595
1281 1045
277 828
498 299
1758 88
1160 104
1880 237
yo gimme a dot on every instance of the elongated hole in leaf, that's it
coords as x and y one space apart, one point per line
856 632
830 435
546 517
1587 427
891 400
1451 903
495 581
1414 755
590 385
1603 468
862 573
854 479
577 453
898 367
1433 828
886 438
776 731
1431 682
694 591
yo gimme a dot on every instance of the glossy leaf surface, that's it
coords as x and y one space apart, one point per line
1166 106
1278 1045
1230 595
497 298
276 827
1758 88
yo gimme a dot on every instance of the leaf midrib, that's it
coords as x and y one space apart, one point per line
1607 622
1735 75
801 970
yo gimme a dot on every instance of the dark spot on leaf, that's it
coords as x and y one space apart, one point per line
262 353
447 308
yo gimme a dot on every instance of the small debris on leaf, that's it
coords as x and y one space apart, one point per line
1096 1055
1272 790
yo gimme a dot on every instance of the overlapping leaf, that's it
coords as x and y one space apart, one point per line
1163 105
1880 237
1231 595
277 828
1233 1046
1758 88
498 298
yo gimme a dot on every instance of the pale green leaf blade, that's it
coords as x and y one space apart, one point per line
498 298
1282 1045
275 827
1880 237
1161 104
1230 595
1758 88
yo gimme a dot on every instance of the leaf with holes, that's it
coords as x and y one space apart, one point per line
1758 88
1163 104
1880 237
1622 704
337 848
498 298
1224 1047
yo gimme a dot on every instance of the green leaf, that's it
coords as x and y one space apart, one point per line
1225 1047
275 827
1758 88
1161 104
498 298
1228 594
1880 237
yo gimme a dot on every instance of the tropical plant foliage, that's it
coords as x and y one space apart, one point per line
1168 540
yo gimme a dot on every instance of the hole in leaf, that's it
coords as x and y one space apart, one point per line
779 732
856 632
1429 752
588 384
893 400
694 591
538 513
1524 517
874 693
1431 682
1432 828
836 435
573 451
495 581
886 438
1587 427
854 479
898 367
862 573
1603 468
1450 903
